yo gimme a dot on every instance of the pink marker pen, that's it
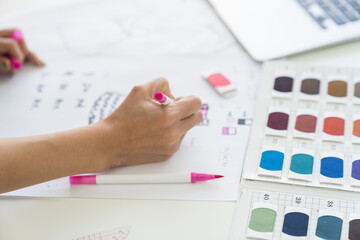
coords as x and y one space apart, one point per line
143 178
162 98
17 36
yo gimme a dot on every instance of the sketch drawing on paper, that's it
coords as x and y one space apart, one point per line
245 121
229 131
120 233
204 110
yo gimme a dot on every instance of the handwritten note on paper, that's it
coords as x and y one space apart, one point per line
120 233
104 105
51 100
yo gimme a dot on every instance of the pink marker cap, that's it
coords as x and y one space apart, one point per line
85 179
15 64
16 35
160 97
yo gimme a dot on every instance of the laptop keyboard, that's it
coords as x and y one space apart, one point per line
328 13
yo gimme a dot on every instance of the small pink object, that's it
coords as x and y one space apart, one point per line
85 179
218 80
16 35
162 98
220 83
15 64
201 177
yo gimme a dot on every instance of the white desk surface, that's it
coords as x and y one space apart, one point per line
30 218
69 218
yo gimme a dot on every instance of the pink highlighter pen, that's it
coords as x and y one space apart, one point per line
143 178
162 98
17 36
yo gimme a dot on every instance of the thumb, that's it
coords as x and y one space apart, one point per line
5 65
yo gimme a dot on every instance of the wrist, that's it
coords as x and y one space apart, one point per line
109 144
98 147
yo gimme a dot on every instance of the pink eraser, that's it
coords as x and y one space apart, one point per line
16 35
85 179
15 64
220 83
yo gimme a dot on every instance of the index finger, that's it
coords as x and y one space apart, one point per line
158 85
6 32
10 47
186 106
17 36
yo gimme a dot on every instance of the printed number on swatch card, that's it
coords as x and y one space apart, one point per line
299 201
266 197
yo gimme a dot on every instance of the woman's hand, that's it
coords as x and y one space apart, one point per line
143 131
10 48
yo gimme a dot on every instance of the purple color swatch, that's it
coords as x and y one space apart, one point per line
278 121
283 84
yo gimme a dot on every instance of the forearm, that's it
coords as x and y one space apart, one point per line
32 160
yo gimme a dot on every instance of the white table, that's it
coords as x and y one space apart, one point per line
31 218
69 218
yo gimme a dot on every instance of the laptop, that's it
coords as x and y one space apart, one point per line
270 29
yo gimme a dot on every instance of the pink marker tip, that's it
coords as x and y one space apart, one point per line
15 64
158 96
200 177
16 35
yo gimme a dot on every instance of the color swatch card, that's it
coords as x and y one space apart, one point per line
307 127
274 215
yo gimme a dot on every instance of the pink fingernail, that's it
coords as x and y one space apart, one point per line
16 35
15 64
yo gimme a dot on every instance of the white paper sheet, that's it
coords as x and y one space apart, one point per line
207 148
